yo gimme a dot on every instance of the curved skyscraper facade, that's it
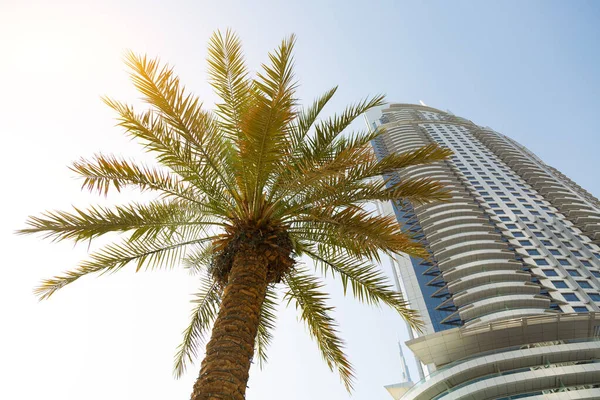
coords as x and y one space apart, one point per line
511 294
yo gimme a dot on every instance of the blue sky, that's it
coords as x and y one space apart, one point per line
525 68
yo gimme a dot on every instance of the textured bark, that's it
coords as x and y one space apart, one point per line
225 368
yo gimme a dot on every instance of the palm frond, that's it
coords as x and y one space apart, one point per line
103 171
178 154
143 220
368 283
164 251
348 179
208 301
338 192
306 291
266 325
368 166
329 130
417 191
184 114
199 258
307 118
360 232
229 78
308 171
264 125
424 155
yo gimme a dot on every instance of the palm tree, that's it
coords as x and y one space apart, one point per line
241 194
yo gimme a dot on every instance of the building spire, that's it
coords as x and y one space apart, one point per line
403 368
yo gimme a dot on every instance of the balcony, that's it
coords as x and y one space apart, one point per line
487 277
465 270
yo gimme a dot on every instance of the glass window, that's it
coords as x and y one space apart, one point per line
518 212
576 253
550 272
560 284
494 205
570 296
541 261
531 226
504 219
596 274
586 263
533 252
518 234
580 309
525 243
573 272
539 234
594 296
499 212
511 226
555 252
563 261
546 242
584 284
511 205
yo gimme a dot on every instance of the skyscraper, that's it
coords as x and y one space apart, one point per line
511 294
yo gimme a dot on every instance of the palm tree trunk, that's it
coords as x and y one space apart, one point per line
225 368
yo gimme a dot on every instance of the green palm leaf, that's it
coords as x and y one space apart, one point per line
307 118
102 172
229 77
207 302
164 251
368 283
306 291
142 220
264 124
199 257
266 325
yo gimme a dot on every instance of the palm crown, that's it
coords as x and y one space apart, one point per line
259 182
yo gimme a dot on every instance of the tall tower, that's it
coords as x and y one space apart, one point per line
511 295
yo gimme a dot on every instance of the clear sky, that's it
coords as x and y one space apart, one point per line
528 69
